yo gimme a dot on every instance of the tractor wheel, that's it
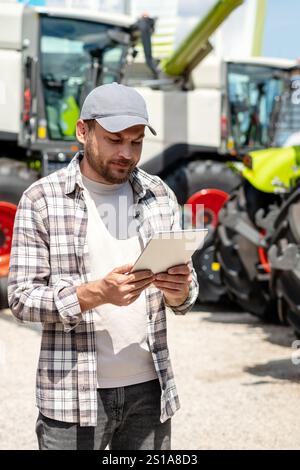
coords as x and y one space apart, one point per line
188 179
239 259
286 283
3 292
211 287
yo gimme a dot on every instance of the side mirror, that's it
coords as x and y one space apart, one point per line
145 25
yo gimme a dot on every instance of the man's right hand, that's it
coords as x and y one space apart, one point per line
120 287
116 288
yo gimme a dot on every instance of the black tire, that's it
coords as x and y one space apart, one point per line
3 293
286 283
196 175
239 259
211 287
210 174
14 179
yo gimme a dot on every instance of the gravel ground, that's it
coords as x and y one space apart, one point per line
238 386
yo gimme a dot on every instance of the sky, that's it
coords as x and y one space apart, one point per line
282 32
282 27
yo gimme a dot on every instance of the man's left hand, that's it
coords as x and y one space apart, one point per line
174 284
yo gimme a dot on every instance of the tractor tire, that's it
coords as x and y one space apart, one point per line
186 181
286 283
14 179
211 288
3 292
210 174
239 260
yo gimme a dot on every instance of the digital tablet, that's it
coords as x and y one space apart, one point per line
167 249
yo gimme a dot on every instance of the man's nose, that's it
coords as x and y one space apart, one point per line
125 152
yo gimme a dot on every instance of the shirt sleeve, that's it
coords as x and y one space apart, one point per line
194 286
29 295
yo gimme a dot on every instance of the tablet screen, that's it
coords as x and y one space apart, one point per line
167 249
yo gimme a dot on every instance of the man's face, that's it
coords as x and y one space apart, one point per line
111 157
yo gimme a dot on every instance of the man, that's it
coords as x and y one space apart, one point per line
104 375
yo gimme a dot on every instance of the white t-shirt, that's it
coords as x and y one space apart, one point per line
123 356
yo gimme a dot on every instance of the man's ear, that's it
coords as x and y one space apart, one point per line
81 131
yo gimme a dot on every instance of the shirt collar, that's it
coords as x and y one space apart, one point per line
139 183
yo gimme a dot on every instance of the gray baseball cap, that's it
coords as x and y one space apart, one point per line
116 107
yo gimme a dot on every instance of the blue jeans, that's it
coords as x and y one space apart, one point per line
128 419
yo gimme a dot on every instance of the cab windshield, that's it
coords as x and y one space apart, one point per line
253 91
75 57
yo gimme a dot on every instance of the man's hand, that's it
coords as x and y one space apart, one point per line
119 288
174 284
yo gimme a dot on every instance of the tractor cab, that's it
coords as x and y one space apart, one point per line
258 95
75 57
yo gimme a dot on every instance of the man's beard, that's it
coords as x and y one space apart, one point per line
104 170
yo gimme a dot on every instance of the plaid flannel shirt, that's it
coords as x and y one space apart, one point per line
49 258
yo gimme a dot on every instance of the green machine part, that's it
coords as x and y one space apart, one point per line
196 46
273 170
69 113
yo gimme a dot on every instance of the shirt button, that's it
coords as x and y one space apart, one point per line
82 388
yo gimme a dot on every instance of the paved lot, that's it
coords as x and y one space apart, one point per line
238 386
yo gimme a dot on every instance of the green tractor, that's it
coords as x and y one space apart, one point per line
254 219
266 177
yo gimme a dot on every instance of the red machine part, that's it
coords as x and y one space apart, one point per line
212 200
27 105
7 217
263 256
